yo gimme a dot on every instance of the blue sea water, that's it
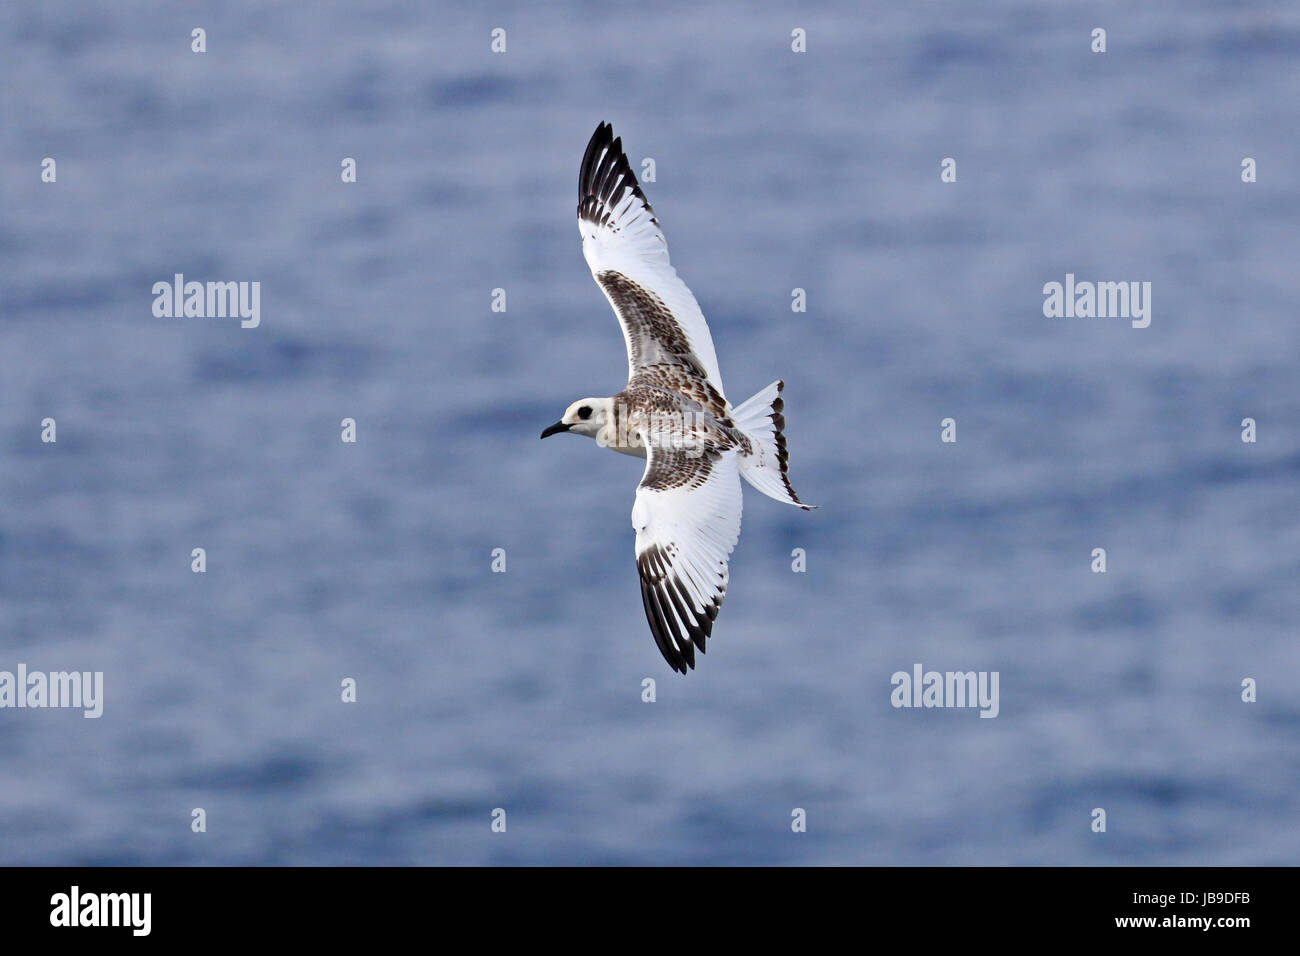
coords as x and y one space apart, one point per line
523 690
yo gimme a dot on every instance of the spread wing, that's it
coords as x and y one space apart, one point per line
687 521
628 255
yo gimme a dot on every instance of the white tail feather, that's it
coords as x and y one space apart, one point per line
761 418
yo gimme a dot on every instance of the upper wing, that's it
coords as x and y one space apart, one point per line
687 521
628 256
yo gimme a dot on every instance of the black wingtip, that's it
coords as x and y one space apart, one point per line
600 139
679 629
661 631
604 175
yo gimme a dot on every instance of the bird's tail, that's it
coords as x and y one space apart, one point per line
766 467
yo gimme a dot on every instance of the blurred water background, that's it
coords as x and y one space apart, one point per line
522 690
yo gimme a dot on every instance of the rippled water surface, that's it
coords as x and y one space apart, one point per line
522 690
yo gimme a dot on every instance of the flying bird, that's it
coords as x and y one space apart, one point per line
673 412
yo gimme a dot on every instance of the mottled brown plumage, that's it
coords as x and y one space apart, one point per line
653 335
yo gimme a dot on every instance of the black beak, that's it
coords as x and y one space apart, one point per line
556 429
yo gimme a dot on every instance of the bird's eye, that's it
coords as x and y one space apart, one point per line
584 412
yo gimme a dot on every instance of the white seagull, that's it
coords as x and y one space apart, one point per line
673 412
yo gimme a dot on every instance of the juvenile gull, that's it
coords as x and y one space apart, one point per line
673 412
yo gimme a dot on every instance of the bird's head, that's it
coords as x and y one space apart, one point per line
586 416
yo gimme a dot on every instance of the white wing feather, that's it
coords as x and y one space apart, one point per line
620 234
687 521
